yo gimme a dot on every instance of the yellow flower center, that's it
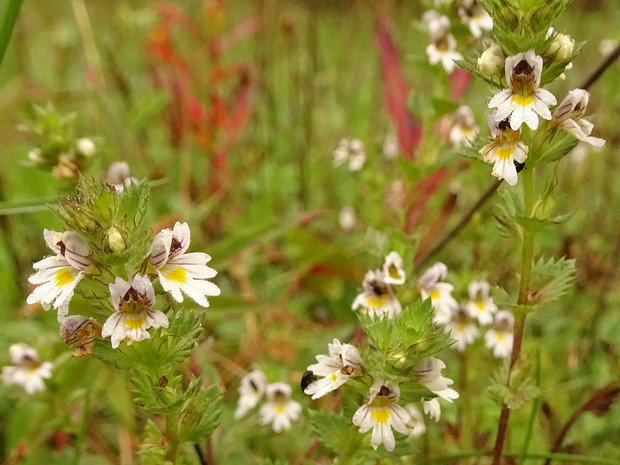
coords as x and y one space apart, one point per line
63 277
393 272
178 275
136 323
380 416
280 409
505 153
377 301
480 304
435 295
333 377
523 100
499 336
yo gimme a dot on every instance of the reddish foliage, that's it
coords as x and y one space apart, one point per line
460 80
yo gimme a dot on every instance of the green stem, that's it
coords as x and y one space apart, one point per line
533 414
172 433
81 437
527 255
8 23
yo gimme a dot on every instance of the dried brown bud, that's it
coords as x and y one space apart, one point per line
79 333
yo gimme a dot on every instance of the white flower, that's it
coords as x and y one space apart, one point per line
378 297
480 305
381 413
416 425
352 152
561 46
29 372
464 130
251 390
391 148
347 218
607 46
461 329
58 275
437 25
133 304
568 115
432 408
491 62
428 374
35 156
181 272
393 269
475 17
504 150
342 363
440 293
443 49
500 336
118 176
280 410
85 146
524 101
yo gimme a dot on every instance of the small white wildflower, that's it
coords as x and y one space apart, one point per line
391 148
58 275
381 413
279 410
442 50
181 272
500 336
351 151
378 297
465 129
416 425
250 392
568 116
428 373
432 408
475 17
133 302
440 293
29 371
524 100
347 218
118 176
85 146
480 305
35 156
607 46
504 150
461 329
335 369
394 269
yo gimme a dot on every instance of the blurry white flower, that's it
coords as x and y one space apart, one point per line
35 156
416 425
504 150
428 373
437 25
347 218
440 293
394 269
461 329
475 17
58 275
378 297
524 101
491 62
118 176
381 413
251 390
465 129
432 408
480 305
279 410
351 151
85 146
181 272
568 115
500 336
443 49
606 46
133 304
391 148
335 369
29 372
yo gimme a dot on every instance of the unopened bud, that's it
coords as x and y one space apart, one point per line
491 62
115 240
85 146
79 333
561 47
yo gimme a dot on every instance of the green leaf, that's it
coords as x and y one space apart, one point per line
514 387
11 12
146 109
335 431
153 448
201 414
551 279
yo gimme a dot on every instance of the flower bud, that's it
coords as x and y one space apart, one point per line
115 240
85 146
79 333
561 47
491 62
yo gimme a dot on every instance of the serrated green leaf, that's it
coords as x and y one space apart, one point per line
153 448
201 414
335 431
551 279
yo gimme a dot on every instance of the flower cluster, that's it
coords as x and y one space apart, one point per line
352 152
132 299
28 370
378 298
278 411
458 319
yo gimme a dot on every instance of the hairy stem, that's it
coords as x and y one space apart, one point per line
172 430
527 255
